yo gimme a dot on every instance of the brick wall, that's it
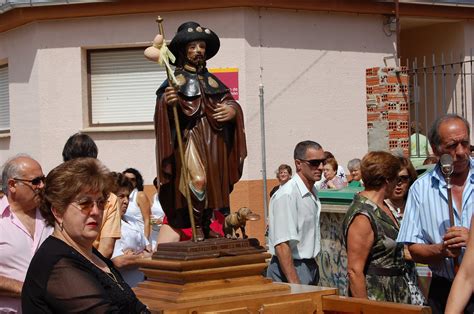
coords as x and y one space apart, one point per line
387 109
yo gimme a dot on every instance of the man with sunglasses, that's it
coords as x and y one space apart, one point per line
294 231
22 228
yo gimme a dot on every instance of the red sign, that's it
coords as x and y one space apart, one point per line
230 77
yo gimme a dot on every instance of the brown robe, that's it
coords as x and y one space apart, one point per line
221 146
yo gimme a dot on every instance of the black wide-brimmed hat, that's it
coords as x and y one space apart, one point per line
192 31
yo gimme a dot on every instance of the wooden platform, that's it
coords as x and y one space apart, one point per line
178 281
291 299
175 281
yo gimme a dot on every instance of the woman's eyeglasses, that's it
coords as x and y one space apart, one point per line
34 181
403 179
314 162
86 204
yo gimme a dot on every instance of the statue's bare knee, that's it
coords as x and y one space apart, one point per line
198 186
199 183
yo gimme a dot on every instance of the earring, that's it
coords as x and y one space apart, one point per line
61 225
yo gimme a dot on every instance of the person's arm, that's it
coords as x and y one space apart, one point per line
110 231
145 208
167 234
360 239
129 260
454 239
106 246
463 285
10 287
283 252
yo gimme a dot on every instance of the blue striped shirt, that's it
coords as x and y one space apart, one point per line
426 217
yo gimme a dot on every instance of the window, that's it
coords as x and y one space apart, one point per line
4 100
122 86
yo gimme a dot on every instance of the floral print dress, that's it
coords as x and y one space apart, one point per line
386 272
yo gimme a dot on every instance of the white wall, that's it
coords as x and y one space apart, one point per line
312 66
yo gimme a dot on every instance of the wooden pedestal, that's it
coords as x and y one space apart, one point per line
203 278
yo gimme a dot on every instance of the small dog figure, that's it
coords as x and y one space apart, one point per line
238 220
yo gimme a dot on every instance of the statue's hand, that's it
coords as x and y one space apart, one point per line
171 96
224 113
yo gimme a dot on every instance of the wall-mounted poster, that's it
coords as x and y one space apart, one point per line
230 77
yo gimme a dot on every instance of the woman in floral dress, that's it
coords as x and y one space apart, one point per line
375 264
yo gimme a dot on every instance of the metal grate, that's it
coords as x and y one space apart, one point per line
439 85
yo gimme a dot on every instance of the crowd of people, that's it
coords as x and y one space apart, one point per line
73 240
396 221
76 237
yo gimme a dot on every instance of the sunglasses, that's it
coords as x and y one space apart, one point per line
403 179
314 162
86 204
34 181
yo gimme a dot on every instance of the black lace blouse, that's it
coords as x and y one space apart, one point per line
61 280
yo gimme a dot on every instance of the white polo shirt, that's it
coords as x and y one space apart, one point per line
294 217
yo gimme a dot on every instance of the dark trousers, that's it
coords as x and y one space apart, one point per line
438 296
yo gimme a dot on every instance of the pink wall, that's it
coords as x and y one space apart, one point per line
312 66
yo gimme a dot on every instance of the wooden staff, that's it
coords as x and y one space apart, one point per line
184 167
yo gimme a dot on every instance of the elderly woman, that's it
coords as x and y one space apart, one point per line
331 180
356 175
132 247
67 274
375 264
283 175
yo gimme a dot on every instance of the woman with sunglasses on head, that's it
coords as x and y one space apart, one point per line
375 264
396 203
139 206
67 274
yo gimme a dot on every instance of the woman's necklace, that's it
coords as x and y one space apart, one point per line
112 276
105 269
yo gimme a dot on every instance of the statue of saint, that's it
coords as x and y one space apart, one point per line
212 128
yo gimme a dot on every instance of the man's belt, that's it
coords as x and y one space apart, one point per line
381 271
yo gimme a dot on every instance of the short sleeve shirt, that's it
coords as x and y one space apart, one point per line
294 217
17 248
111 220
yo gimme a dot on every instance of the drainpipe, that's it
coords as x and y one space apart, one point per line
264 157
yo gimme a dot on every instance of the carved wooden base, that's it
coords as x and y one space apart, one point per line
205 279
202 277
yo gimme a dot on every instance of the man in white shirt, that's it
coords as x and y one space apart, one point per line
294 231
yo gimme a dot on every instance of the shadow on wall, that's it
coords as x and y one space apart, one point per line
4 146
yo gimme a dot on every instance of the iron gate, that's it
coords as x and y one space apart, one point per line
438 85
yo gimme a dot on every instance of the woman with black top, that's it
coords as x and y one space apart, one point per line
67 274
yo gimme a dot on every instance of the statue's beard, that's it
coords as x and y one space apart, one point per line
197 61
